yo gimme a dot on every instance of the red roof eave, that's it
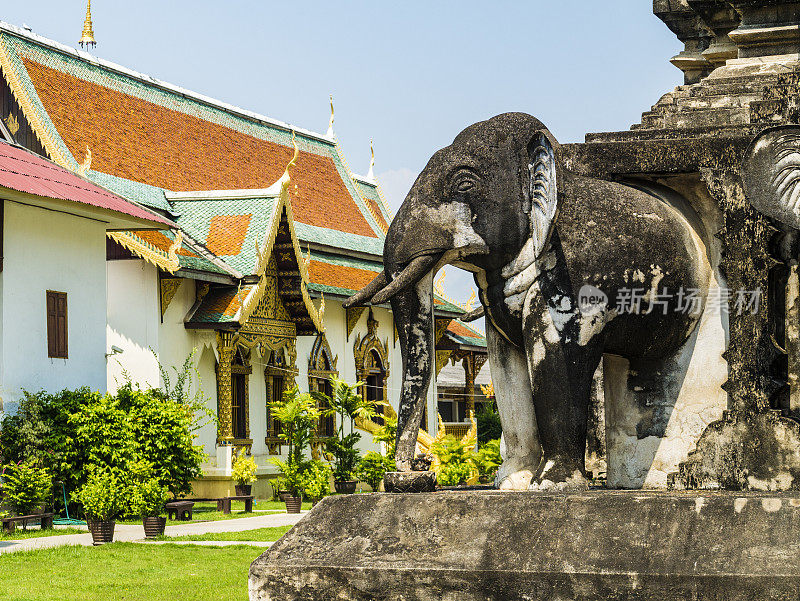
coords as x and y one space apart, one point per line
30 173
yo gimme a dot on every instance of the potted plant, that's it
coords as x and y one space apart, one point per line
348 404
101 497
147 500
298 416
243 473
316 481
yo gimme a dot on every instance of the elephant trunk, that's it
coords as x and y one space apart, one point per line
413 314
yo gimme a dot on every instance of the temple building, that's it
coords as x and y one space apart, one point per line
266 231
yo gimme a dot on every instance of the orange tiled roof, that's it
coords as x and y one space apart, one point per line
144 142
160 241
226 234
458 329
376 212
339 276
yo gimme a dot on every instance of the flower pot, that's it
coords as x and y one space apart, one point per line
153 526
293 504
102 531
345 487
243 490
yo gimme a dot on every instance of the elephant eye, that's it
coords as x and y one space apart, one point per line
463 182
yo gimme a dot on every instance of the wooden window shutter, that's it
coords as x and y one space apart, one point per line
57 324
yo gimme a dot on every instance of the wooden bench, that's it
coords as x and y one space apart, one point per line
181 510
45 520
224 504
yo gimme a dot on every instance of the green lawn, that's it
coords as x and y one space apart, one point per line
127 571
20 534
257 534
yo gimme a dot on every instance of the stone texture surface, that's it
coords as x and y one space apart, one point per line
515 546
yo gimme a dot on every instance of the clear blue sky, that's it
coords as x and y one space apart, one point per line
409 74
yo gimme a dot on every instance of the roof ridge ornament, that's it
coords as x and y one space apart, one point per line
371 172
87 162
87 37
329 133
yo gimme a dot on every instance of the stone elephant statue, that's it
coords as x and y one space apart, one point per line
568 268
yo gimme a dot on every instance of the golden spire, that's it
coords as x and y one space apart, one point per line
371 173
329 133
87 38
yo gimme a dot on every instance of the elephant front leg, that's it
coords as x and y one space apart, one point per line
561 372
517 415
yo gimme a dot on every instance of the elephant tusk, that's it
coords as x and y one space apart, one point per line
411 274
362 297
473 315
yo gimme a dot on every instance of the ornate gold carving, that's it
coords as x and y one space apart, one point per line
87 162
168 261
12 123
488 390
329 133
201 290
265 249
365 351
441 327
37 123
352 315
169 286
225 350
441 360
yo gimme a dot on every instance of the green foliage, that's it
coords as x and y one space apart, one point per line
315 480
244 469
345 455
185 378
455 459
453 474
387 434
298 415
27 487
70 431
347 402
489 427
372 467
147 498
487 460
291 475
101 496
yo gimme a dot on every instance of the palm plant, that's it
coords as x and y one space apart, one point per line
347 403
298 415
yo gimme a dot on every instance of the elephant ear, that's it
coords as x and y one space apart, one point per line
771 173
543 190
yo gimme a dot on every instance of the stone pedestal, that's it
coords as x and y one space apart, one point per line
489 546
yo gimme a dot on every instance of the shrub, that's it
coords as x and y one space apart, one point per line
455 460
372 467
244 469
489 427
101 496
27 487
345 455
71 430
147 498
487 460
291 475
315 480
453 474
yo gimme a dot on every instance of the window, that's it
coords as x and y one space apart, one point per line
321 368
57 324
376 385
276 384
239 401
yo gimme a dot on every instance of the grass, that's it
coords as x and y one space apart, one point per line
128 572
256 534
20 534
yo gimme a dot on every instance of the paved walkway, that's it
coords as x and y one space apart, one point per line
135 532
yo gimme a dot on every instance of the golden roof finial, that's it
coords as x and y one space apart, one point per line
87 162
371 172
329 134
87 38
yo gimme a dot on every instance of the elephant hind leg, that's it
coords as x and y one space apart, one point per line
523 452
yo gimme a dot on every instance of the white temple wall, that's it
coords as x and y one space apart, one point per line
50 250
